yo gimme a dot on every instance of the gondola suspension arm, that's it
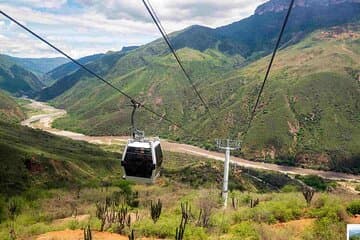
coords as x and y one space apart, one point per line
136 133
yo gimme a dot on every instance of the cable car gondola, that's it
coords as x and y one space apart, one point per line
142 158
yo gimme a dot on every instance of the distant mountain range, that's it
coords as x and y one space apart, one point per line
38 66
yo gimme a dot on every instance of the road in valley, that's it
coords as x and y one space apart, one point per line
48 114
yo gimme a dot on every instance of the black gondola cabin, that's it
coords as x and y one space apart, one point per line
142 159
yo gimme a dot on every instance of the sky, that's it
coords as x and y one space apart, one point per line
86 27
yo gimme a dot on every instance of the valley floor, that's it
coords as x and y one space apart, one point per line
45 115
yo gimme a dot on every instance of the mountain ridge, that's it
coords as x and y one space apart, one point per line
16 79
282 5
37 66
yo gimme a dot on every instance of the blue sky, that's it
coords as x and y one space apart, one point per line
85 27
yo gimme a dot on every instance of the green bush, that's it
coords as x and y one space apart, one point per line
326 228
166 226
73 224
315 181
244 230
289 188
125 186
162 229
328 208
282 210
354 207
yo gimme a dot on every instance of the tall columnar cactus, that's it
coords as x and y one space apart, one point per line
185 215
132 235
87 233
254 203
102 212
155 210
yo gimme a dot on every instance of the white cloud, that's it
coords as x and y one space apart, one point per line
40 3
102 25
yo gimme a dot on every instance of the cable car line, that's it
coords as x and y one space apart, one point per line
90 71
271 62
158 20
172 49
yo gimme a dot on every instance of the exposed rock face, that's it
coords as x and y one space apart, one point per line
281 5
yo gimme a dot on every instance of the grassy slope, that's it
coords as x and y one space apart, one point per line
34 158
9 110
155 80
310 105
15 79
184 180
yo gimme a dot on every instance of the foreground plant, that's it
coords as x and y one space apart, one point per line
308 193
155 210
87 233
185 215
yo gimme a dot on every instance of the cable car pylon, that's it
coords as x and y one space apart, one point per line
227 145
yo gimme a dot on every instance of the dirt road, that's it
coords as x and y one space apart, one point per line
49 114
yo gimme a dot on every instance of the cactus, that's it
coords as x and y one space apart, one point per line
234 201
14 208
87 233
254 203
155 210
102 212
185 215
132 235
308 193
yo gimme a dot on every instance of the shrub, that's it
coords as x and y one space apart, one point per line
315 181
327 228
164 228
244 230
354 207
73 224
271 212
14 207
155 210
289 188
125 186
328 208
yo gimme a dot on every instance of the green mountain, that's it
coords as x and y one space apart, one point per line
68 68
255 36
9 109
38 66
249 38
32 158
38 159
16 79
309 111
101 66
259 32
309 114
